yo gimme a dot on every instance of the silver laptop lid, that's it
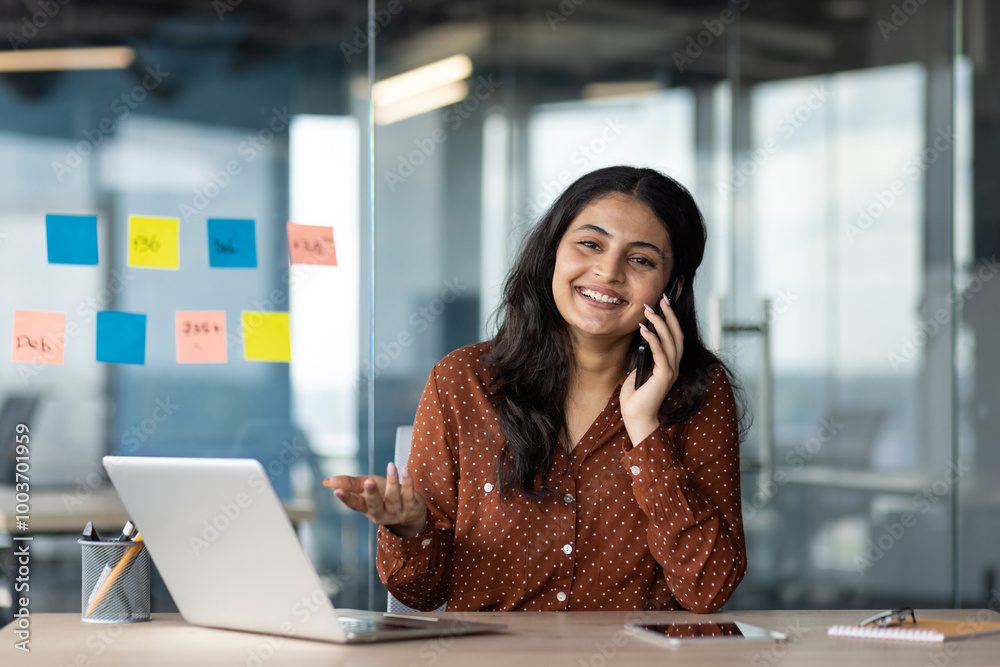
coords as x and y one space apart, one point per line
224 545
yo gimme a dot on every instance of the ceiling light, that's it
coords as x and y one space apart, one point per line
421 80
49 60
426 101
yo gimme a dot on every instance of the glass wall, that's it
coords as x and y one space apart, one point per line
842 152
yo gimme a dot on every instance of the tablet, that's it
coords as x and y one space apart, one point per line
675 634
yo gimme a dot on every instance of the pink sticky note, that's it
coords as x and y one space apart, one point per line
39 337
311 245
201 337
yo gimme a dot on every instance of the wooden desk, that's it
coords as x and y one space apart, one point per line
69 510
577 639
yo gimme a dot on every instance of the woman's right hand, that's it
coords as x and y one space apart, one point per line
388 501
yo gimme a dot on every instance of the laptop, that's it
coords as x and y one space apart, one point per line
230 558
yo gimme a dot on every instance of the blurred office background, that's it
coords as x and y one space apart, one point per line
846 154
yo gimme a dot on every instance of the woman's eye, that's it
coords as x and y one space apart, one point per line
588 244
642 261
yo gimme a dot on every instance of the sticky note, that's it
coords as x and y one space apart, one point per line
39 337
71 239
231 243
121 337
153 242
311 245
201 336
266 336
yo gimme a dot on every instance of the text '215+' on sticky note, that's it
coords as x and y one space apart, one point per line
153 243
39 337
311 245
71 239
201 337
266 336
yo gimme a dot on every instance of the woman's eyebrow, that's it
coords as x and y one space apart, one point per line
633 244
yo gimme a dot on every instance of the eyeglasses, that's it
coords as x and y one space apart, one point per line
892 617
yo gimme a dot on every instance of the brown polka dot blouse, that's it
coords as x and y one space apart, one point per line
656 525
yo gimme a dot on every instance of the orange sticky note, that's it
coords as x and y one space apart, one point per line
153 242
311 245
201 337
266 336
39 337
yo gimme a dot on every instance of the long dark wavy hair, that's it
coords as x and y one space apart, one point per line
529 353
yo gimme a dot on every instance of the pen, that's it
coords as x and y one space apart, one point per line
131 553
127 532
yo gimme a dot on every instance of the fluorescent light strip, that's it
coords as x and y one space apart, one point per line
49 60
432 99
421 80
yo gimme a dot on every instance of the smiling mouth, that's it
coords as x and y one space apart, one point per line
599 297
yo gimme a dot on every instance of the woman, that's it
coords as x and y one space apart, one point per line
540 477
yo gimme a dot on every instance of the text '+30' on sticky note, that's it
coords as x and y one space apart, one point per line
308 244
266 336
201 337
39 337
153 243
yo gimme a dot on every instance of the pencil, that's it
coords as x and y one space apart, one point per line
131 553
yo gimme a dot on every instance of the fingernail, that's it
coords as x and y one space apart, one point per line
369 484
666 299
338 493
648 309
390 469
643 327
406 473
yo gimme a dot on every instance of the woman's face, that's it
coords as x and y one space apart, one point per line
614 257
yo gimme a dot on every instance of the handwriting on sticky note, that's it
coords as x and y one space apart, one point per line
232 243
39 337
308 244
201 337
266 336
153 242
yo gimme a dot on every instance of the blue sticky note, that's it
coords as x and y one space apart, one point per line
121 337
71 239
231 244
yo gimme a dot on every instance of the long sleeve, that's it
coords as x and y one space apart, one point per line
417 570
686 479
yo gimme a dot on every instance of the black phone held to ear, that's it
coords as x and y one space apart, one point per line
645 364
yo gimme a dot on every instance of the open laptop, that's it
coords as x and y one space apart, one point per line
229 556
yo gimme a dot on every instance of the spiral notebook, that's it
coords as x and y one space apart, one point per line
924 630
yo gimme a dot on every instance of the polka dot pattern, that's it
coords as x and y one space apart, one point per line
651 525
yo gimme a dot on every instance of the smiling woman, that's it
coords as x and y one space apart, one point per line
540 477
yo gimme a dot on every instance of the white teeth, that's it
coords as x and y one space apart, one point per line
597 296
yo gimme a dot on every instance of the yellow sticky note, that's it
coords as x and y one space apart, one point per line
201 336
266 336
39 337
153 242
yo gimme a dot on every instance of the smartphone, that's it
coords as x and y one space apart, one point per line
675 634
645 364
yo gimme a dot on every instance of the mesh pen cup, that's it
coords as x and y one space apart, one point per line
115 582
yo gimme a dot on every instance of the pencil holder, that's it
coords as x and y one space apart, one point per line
115 582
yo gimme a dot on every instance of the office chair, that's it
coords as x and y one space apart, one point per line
404 435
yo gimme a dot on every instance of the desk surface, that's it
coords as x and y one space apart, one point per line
69 510
577 639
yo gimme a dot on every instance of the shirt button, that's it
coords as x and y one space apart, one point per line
634 470
487 487
567 548
561 596
424 542
567 499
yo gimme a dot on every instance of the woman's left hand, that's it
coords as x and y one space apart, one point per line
640 407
